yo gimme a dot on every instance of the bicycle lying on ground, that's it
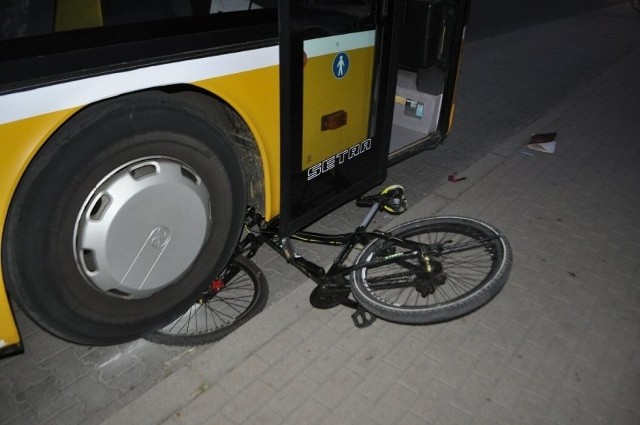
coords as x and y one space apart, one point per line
421 272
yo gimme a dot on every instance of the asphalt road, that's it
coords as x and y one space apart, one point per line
495 17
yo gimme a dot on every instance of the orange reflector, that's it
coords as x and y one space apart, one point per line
334 120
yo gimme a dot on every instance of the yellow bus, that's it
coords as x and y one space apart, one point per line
134 133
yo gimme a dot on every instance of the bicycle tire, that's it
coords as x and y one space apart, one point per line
467 279
238 294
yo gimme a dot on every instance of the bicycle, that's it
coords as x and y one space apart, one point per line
424 271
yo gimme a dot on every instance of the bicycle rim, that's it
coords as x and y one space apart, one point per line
238 294
468 265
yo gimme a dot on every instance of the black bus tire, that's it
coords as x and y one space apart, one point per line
163 183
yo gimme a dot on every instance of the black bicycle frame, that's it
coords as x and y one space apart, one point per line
283 246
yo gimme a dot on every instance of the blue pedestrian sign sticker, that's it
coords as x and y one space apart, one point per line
340 65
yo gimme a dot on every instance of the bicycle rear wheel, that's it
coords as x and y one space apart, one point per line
238 294
467 263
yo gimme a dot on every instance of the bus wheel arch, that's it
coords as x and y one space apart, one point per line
97 150
243 139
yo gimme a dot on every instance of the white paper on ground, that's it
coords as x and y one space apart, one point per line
543 142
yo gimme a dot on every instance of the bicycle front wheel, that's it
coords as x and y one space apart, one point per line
238 294
464 263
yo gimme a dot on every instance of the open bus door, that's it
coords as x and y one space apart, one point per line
430 44
333 56
362 82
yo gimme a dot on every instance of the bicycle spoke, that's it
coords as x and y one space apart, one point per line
233 298
459 257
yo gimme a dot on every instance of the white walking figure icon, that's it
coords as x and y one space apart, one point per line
341 66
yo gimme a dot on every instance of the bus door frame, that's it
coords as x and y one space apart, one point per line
292 57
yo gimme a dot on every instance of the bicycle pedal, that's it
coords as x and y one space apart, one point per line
362 318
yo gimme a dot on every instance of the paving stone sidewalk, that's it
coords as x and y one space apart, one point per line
560 344
502 89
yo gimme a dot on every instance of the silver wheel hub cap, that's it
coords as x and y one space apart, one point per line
142 227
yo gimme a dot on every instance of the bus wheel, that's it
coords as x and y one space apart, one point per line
122 217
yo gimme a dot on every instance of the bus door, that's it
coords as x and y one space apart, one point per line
364 83
335 62
431 33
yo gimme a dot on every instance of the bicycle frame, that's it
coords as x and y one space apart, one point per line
284 247
333 287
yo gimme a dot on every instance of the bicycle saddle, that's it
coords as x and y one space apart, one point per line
391 200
